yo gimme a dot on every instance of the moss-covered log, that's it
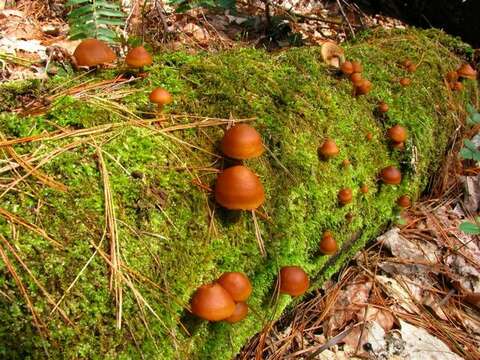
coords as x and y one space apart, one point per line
170 235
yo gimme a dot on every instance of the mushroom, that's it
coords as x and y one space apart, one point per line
240 313
364 188
398 145
138 58
93 52
363 87
369 136
328 245
391 175
467 72
293 280
347 68
404 201
328 149
405 82
242 142
382 107
397 133
332 54
346 163
212 302
412 68
237 285
452 76
356 78
357 67
238 188
456 86
345 196
406 63
161 97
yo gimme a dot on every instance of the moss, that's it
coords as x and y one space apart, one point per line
164 229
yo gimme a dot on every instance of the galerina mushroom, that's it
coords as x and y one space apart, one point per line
242 142
328 245
93 52
345 196
382 107
237 285
467 72
294 280
397 133
160 97
391 175
240 313
347 68
328 149
212 302
405 82
138 57
404 201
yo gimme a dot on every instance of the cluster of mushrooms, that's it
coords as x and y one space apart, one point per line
239 188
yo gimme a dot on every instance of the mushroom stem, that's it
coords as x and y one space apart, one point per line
159 108
258 235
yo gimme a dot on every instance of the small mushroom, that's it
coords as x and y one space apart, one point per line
369 136
346 163
294 280
404 201
357 67
328 245
93 52
345 196
456 86
347 68
242 142
332 54
397 133
328 149
161 97
240 313
363 87
467 72
405 82
391 175
237 285
406 63
138 58
400 146
238 188
452 76
356 78
412 68
212 302
382 107
364 188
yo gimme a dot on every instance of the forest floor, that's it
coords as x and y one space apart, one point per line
415 291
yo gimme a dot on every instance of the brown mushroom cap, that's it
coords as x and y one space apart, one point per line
237 285
356 78
345 196
328 245
332 54
357 67
328 149
363 87
212 302
382 107
93 52
467 72
405 81
138 57
241 142
364 188
160 96
452 76
412 68
347 68
406 63
238 188
240 313
398 145
391 175
457 86
369 136
397 133
404 201
293 280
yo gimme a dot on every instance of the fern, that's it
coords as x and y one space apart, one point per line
91 18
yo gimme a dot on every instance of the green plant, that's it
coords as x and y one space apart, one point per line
471 228
469 151
473 115
91 18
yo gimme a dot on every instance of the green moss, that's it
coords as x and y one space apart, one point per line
164 229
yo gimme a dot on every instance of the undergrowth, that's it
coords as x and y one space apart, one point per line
164 229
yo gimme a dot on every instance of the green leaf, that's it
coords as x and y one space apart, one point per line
77 2
104 21
87 9
470 228
111 13
466 154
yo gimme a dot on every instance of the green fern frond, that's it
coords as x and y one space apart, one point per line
93 19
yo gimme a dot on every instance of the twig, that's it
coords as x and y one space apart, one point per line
346 18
